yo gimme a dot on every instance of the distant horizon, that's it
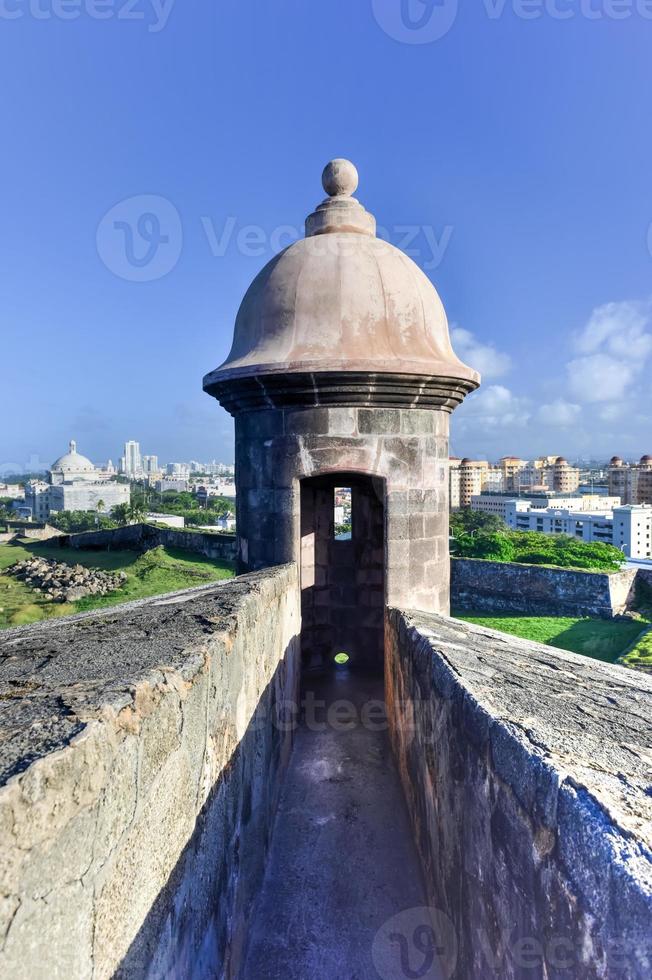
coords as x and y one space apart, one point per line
43 468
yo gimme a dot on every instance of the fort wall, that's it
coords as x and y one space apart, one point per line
526 771
141 762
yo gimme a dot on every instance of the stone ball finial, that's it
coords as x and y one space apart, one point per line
340 178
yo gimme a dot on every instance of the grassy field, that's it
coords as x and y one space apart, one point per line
602 639
640 656
154 573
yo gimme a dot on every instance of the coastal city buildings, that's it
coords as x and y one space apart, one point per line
499 503
73 483
470 477
632 482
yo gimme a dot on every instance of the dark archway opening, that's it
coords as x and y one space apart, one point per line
342 572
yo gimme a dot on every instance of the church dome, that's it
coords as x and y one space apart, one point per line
343 302
72 465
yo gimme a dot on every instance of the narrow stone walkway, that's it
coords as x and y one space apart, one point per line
342 862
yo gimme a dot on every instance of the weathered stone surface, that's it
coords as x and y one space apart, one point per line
493 586
141 766
527 772
277 449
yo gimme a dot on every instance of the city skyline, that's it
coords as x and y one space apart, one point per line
526 201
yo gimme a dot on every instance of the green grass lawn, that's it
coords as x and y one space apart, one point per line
640 656
154 573
602 639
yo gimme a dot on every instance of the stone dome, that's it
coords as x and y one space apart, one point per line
342 302
646 460
560 461
72 465
615 461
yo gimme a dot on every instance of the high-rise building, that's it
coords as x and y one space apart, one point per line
476 475
565 478
150 464
511 468
132 459
469 477
632 482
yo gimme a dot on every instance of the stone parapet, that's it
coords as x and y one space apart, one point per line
527 774
140 768
508 587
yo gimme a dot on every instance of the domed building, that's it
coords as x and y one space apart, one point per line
73 483
72 466
341 375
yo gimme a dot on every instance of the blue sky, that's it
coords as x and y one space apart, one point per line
518 148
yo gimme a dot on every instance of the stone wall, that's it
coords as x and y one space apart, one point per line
140 771
276 449
504 587
141 537
36 532
526 771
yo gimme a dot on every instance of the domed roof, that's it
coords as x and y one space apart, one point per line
72 462
615 461
646 460
560 461
341 300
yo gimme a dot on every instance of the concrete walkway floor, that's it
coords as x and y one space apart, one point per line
342 861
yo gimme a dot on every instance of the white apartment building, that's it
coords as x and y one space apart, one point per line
170 520
172 483
499 503
12 490
626 527
36 505
180 470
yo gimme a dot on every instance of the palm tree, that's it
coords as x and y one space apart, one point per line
120 513
136 513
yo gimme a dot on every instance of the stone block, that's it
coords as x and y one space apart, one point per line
379 421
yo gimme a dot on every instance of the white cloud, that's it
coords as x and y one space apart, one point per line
559 412
494 406
490 362
614 347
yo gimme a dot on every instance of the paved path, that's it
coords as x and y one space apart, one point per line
342 860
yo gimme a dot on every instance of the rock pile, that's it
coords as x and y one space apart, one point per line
65 583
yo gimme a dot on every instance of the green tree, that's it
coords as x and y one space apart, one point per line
534 548
466 521
120 514
74 521
491 545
